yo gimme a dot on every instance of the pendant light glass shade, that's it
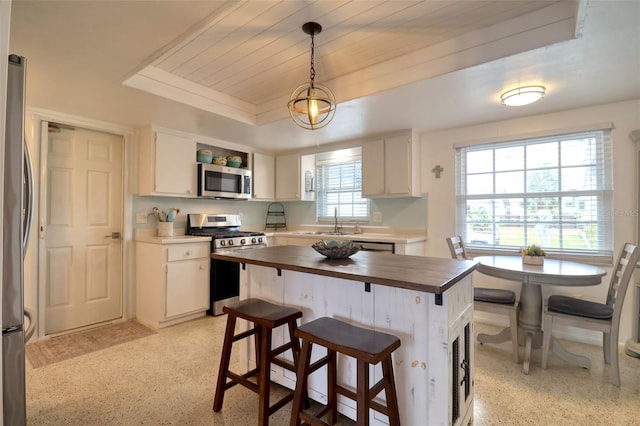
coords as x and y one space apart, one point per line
312 105
523 95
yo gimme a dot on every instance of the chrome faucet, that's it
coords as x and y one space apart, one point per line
336 228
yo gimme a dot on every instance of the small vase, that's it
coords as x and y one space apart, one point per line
533 260
165 229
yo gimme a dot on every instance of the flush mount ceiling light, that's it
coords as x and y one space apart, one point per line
523 95
312 105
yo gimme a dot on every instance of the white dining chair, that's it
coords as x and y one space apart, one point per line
492 300
604 317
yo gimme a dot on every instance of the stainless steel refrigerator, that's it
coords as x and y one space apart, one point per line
13 340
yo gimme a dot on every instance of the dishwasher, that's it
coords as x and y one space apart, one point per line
379 247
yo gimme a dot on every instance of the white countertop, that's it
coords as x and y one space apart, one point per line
177 239
149 235
367 236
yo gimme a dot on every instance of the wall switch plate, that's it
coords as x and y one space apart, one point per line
141 217
377 217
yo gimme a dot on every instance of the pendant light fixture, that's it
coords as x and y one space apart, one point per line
312 105
523 95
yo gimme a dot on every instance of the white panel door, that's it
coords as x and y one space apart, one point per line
81 226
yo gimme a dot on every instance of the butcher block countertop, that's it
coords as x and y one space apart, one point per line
428 274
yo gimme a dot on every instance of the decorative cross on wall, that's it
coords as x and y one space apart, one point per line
437 170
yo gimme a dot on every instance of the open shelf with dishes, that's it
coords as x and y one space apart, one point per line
221 156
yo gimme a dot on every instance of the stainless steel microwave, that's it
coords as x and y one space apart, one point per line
223 182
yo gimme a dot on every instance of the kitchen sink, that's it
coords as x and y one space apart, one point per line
319 233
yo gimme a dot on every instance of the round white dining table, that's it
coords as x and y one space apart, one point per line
553 272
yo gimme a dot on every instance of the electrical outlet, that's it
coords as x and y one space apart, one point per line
141 217
377 217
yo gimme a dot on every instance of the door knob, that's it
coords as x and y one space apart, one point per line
113 235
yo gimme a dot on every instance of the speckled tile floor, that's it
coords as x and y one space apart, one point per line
168 379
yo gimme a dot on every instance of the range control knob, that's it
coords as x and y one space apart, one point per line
223 243
230 242
260 240
253 240
243 241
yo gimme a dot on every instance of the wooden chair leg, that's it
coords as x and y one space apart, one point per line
606 347
301 383
264 377
546 338
225 358
614 357
257 338
513 324
362 393
332 398
295 343
390 392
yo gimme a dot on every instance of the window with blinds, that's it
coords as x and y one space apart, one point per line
553 191
339 189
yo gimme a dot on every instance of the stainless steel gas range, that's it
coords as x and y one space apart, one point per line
224 229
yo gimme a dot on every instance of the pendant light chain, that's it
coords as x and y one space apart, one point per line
313 68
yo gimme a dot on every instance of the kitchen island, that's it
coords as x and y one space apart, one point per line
426 302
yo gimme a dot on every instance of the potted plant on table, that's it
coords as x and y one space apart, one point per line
533 255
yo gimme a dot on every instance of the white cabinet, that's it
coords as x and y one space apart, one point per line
390 167
263 177
292 177
166 163
287 172
172 282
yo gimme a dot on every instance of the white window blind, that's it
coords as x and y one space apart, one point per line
552 191
339 190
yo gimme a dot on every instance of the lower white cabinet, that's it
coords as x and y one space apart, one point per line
172 282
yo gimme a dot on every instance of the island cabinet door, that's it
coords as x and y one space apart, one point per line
461 375
405 314
435 355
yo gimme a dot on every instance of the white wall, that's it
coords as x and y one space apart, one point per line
438 148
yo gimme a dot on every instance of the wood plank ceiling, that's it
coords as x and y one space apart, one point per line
248 56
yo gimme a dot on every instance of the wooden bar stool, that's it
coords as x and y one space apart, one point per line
368 347
265 317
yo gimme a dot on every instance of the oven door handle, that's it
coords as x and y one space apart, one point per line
238 248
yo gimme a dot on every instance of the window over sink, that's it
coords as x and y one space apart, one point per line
339 186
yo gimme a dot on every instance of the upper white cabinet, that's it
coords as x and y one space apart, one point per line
373 169
264 177
287 172
293 183
390 167
166 163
